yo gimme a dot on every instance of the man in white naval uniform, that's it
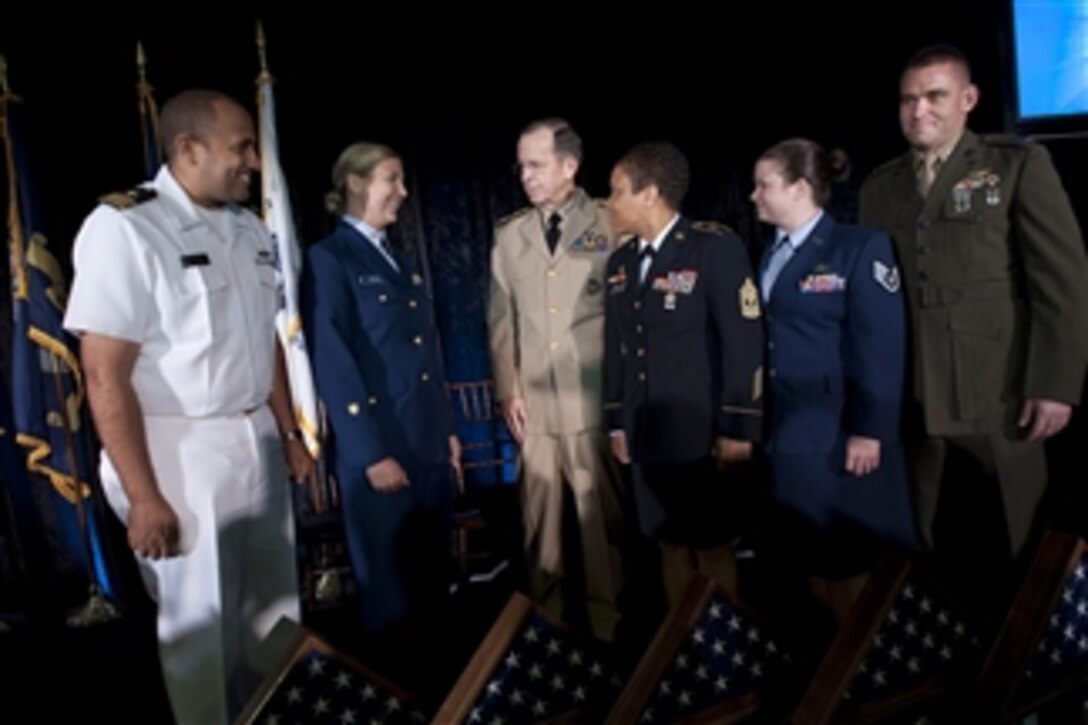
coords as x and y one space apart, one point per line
174 297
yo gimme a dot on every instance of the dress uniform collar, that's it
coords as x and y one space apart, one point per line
661 236
376 237
184 211
935 158
564 211
578 214
801 234
665 248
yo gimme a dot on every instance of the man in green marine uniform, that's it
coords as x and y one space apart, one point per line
996 279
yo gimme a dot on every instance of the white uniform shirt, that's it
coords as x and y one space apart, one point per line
200 306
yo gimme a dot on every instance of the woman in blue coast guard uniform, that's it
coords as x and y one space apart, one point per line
836 354
370 323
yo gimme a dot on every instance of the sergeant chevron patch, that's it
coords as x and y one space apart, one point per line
887 277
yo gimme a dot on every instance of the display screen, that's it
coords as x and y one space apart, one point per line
1051 58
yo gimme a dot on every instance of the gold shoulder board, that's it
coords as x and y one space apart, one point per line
128 199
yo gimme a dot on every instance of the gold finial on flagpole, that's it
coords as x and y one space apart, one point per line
261 47
4 88
141 62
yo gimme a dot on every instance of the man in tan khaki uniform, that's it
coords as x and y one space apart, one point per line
546 320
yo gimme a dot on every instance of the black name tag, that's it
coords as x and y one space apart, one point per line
195 260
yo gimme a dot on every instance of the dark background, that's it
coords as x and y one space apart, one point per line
451 89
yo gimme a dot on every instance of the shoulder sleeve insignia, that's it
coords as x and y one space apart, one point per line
128 199
711 227
886 276
749 300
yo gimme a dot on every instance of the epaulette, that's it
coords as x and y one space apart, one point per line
1004 139
890 164
511 217
128 199
712 227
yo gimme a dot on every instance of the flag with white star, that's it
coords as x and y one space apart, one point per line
530 668
920 639
321 686
1063 648
1042 650
903 644
711 660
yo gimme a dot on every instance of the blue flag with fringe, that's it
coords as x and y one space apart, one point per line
51 498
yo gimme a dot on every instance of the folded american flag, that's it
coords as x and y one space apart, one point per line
530 668
317 684
902 646
710 662
1042 650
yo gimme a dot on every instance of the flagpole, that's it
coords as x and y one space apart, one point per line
15 225
149 114
262 55
97 609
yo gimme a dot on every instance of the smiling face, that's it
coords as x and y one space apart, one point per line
934 101
222 157
777 201
381 193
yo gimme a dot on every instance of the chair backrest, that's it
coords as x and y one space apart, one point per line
488 453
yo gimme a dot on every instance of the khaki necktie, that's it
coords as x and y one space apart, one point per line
928 168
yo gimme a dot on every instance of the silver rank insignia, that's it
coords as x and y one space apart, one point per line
887 277
749 300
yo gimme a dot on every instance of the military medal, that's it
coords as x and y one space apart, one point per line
617 283
993 191
961 198
822 283
685 281
590 242
670 300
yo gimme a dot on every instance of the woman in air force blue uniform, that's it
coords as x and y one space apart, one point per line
835 324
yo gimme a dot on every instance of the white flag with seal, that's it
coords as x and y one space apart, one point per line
276 205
